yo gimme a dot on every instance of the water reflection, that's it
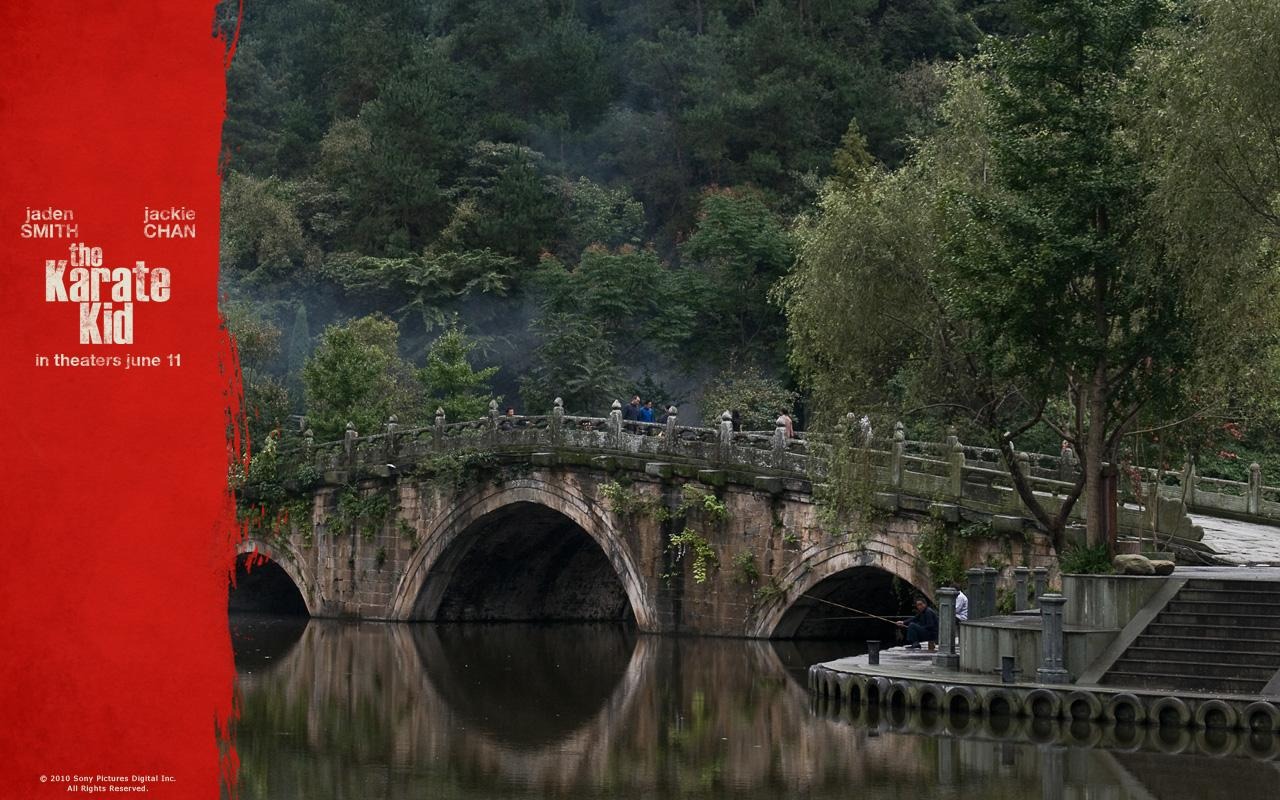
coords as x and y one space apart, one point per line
347 710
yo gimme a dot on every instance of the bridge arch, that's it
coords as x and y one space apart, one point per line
481 512
253 553
818 577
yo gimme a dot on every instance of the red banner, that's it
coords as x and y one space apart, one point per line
117 670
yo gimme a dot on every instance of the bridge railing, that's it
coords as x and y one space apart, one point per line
943 470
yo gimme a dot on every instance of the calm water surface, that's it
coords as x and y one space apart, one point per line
368 710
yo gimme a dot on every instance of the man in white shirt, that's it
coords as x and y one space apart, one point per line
962 605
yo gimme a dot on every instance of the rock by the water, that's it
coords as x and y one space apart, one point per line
1162 567
1133 564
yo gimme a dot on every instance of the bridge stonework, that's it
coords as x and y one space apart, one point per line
514 502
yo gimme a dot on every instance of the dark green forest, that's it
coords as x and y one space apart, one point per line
1039 222
599 193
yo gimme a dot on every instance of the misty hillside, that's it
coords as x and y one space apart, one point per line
599 193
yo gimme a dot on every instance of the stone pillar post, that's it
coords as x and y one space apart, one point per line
349 437
670 435
309 441
989 577
1067 465
1189 482
976 595
557 421
947 657
437 435
1254 502
726 436
899 448
493 420
1014 504
955 453
1020 575
1040 577
389 448
779 444
615 425
1052 644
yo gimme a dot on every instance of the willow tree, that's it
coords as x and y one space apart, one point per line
1018 270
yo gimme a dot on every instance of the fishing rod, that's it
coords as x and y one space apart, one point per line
856 616
851 608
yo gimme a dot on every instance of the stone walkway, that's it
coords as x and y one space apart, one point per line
1240 542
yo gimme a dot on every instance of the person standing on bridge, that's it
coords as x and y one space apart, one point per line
646 413
788 427
923 627
631 411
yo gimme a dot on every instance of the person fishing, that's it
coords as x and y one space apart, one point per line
923 627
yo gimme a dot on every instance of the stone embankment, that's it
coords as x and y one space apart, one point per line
1199 649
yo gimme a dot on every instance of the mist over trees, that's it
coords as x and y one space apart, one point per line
601 192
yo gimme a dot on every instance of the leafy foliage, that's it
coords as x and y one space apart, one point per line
449 380
759 400
1086 560
356 375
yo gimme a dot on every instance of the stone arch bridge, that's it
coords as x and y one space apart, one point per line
558 517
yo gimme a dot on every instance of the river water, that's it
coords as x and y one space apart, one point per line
369 710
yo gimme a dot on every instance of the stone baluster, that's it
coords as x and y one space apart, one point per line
1067 465
437 435
1020 576
615 425
1254 502
947 657
955 452
990 576
389 445
976 595
726 436
309 441
1014 503
557 421
1052 644
670 442
1040 579
493 420
1189 482
899 449
780 443
349 437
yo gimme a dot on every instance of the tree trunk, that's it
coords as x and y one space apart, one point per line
1095 441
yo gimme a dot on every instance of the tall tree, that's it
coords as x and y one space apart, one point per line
1017 271
356 375
1048 266
451 382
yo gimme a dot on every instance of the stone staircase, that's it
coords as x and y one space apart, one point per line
1213 636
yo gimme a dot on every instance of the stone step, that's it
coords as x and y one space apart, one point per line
1221 645
1255 587
1149 680
1261 622
1139 651
1246 595
1194 668
1210 631
1179 605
